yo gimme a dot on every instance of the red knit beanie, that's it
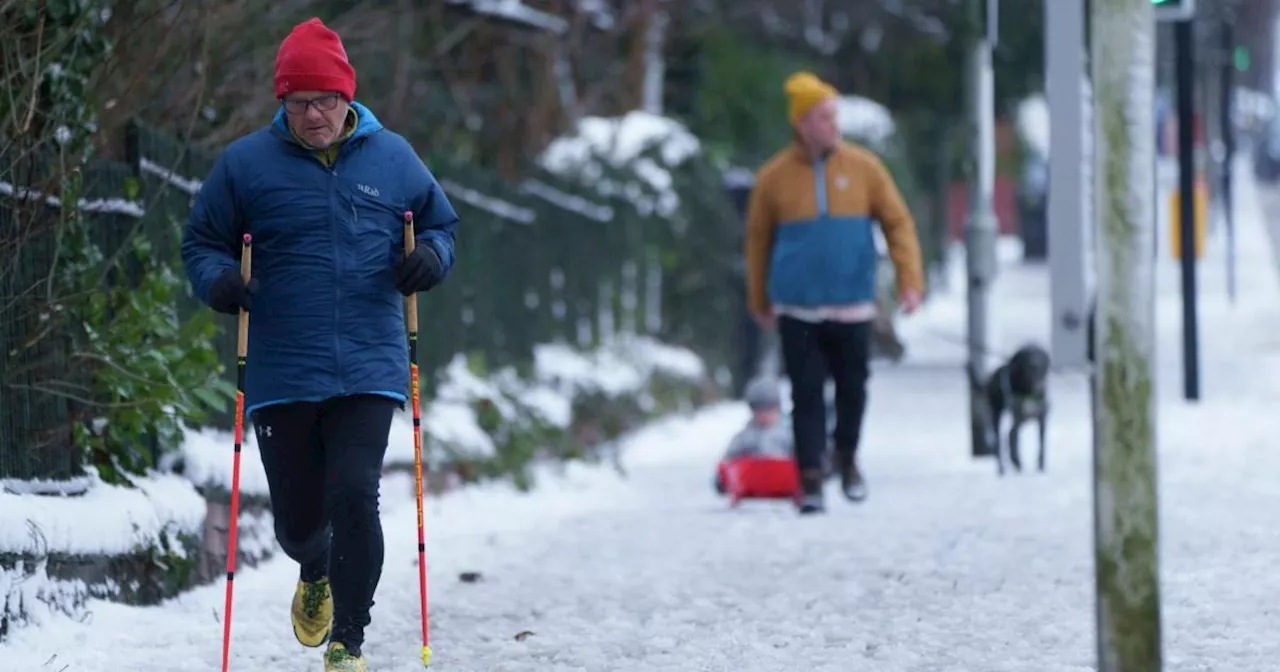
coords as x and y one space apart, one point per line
312 58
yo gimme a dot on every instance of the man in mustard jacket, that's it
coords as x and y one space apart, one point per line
811 271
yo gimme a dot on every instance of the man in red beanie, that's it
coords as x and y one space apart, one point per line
323 190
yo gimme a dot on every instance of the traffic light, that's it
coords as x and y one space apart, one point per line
1174 10
1240 58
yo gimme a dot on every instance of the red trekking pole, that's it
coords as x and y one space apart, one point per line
411 318
242 352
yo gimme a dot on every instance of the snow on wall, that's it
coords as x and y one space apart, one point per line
619 141
29 596
105 520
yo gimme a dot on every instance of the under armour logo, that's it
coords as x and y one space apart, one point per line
264 431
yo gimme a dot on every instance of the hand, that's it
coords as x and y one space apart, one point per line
910 301
765 319
229 293
419 271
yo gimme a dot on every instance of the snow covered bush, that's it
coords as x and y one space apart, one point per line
658 166
629 155
570 405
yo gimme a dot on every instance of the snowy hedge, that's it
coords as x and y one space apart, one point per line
571 404
659 169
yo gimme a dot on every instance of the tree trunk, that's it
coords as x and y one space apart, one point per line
402 57
1125 510
639 36
655 67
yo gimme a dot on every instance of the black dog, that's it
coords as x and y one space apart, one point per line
1019 387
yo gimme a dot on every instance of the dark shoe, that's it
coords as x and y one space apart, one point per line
851 482
811 500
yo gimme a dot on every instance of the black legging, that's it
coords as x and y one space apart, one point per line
324 463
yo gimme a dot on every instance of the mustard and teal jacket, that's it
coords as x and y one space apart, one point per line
809 239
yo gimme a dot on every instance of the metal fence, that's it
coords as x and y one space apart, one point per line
538 261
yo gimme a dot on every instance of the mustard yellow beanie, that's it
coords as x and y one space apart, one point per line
804 90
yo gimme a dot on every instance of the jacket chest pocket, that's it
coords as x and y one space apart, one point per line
369 202
373 221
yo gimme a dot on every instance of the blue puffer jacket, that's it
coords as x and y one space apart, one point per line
327 319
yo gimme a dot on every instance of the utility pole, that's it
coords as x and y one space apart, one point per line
1126 530
1184 73
1070 211
980 234
1229 142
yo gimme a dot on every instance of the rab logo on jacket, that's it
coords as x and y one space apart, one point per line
367 190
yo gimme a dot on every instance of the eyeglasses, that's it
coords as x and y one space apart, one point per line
322 104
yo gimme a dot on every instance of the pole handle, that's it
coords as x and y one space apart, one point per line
411 301
246 273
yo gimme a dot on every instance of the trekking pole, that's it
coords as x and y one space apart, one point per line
411 317
242 352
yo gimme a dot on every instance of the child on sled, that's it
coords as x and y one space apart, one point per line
759 462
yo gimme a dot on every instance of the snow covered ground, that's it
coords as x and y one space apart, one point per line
946 567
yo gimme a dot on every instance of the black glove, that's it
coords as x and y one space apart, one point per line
229 293
419 272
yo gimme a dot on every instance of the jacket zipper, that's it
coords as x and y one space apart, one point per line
335 232
823 207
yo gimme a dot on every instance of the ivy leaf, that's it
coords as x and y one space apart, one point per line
132 188
211 398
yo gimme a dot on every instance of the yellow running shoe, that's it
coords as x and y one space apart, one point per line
312 613
339 659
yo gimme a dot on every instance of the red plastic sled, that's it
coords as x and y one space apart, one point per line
759 478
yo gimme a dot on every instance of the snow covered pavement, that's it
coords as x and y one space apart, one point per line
945 567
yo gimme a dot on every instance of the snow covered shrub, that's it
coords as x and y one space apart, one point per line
672 393
568 404
519 438
599 418
658 167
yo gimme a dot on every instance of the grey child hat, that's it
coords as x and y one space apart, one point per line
763 393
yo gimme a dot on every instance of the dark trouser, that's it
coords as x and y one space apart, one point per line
324 463
812 351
